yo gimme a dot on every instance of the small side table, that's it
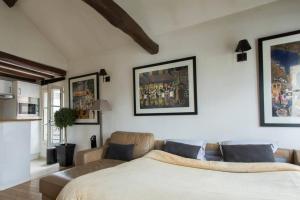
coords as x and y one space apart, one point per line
51 156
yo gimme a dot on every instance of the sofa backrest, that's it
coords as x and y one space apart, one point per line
143 142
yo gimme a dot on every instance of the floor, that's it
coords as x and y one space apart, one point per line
39 168
25 191
30 190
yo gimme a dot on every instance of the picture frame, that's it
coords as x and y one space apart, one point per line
83 91
166 88
279 80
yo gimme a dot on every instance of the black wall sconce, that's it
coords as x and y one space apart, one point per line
106 77
241 49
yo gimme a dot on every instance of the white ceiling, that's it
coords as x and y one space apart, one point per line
79 31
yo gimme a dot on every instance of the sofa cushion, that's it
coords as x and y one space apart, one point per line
143 142
50 186
181 149
120 151
247 153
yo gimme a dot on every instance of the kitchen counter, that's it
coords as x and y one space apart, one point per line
14 153
18 120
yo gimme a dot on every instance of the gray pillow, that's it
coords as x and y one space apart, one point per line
120 152
247 153
183 150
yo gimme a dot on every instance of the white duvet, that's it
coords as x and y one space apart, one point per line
163 176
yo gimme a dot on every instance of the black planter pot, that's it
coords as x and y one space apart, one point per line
65 154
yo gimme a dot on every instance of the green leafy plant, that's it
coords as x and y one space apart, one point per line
63 118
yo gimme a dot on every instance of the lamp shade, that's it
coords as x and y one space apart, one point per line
102 72
243 46
101 105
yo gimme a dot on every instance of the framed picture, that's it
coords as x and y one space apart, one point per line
279 80
83 91
167 88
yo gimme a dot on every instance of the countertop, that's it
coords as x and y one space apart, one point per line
18 120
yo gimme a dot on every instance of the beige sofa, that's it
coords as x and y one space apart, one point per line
92 160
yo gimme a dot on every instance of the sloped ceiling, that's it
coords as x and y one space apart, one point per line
78 31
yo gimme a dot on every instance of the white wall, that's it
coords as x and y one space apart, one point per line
19 36
227 90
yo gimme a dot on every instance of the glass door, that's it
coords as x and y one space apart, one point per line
52 102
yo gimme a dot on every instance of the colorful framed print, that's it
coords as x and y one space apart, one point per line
279 80
83 91
167 88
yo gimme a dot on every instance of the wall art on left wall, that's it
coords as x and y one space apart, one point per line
167 88
83 91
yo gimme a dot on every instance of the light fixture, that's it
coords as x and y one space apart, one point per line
103 73
241 49
101 105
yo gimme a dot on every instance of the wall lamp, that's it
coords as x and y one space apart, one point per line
106 77
241 49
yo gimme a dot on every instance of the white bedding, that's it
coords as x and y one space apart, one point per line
162 176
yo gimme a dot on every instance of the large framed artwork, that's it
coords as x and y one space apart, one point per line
279 80
167 88
83 91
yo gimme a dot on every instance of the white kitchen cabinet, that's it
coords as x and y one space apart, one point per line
5 87
25 89
24 93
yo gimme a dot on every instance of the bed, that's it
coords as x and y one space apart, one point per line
163 176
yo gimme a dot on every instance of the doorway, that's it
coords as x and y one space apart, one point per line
52 99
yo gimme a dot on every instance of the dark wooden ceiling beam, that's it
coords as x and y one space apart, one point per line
31 65
122 20
18 77
54 80
10 3
20 74
25 71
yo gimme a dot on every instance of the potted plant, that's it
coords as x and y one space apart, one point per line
63 118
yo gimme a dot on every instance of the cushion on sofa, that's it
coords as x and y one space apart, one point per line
181 149
143 142
120 152
200 143
247 153
274 145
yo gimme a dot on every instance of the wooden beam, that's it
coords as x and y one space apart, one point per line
24 70
54 80
10 3
18 77
122 20
31 65
19 74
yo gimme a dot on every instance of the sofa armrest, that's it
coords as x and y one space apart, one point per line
87 156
